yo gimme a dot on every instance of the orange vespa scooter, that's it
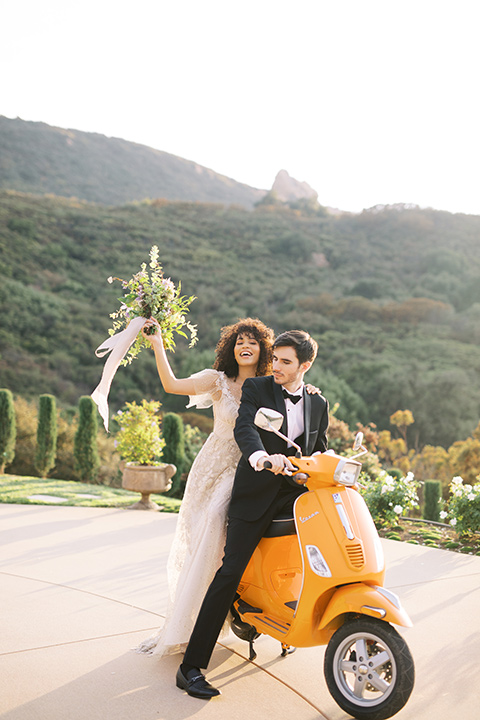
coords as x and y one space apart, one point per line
317 579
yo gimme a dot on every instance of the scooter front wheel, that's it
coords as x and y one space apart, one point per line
369 669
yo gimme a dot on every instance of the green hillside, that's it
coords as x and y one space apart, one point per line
37 158
392 295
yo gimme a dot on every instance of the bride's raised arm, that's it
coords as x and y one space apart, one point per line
171 384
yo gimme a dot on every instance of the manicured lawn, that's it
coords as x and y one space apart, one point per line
35 491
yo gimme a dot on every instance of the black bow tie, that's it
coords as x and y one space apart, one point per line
294 398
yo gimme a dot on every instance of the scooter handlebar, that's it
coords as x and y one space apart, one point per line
267 465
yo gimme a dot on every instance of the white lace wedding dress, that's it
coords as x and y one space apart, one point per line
197 548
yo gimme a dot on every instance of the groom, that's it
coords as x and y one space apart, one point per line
258 495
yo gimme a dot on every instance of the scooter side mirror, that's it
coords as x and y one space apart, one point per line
358 446
272 420
358 441
268 419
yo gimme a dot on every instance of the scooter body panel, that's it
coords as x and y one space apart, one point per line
364 600
323 585
337 521
272 580
280 579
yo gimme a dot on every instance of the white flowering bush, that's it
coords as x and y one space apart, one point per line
463 511
388 498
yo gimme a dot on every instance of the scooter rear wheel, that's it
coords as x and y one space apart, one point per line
369 669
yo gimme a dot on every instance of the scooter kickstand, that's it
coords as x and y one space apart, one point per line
287 649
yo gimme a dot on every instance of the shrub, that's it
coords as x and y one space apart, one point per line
46 447
85 444
7 429
432 494
340 437
174 450
388 498
65 460
109 472
139 440
194 439
23 226
463 511
26 414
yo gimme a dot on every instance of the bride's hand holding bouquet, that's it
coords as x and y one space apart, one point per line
151 295
152 331
150 302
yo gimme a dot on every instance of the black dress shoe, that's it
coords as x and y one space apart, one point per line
196 685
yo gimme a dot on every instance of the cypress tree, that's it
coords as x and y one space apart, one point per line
46 448
8 430
174 450
85 448
432 490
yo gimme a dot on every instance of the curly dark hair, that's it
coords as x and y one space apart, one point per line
225 357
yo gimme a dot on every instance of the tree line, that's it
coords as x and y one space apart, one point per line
392 295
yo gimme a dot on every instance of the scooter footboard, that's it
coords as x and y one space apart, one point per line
371 600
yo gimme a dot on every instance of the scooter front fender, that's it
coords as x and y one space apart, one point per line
363 599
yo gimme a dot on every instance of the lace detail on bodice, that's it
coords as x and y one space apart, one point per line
214 388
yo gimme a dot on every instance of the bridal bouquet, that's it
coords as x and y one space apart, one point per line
149 294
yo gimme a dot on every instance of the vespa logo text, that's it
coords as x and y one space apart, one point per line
304 519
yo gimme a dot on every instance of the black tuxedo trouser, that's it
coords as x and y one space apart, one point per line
243 537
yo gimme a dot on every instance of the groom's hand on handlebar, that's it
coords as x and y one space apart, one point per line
277 464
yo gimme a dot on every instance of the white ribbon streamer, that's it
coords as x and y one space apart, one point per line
118 345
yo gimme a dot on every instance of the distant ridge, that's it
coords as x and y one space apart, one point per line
41 159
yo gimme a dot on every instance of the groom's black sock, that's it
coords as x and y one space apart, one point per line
185 668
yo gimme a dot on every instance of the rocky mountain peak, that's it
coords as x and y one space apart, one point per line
288 189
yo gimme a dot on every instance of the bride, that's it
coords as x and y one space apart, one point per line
244 350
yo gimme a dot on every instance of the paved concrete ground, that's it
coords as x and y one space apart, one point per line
80 587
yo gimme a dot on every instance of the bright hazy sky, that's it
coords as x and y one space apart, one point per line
368 101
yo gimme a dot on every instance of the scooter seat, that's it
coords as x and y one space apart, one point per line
280 526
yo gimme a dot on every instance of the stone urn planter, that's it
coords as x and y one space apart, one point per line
147 479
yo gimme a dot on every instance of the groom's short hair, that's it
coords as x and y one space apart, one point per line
305 346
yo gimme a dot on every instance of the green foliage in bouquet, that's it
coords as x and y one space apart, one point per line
139 440
150 294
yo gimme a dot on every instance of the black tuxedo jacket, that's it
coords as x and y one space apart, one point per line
253 492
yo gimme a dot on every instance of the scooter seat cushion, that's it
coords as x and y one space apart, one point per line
280 526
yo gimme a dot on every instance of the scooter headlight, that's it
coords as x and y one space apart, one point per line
347 472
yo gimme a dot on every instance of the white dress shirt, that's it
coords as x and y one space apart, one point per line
295 426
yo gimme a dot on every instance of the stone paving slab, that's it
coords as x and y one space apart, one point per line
80 587
101 680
